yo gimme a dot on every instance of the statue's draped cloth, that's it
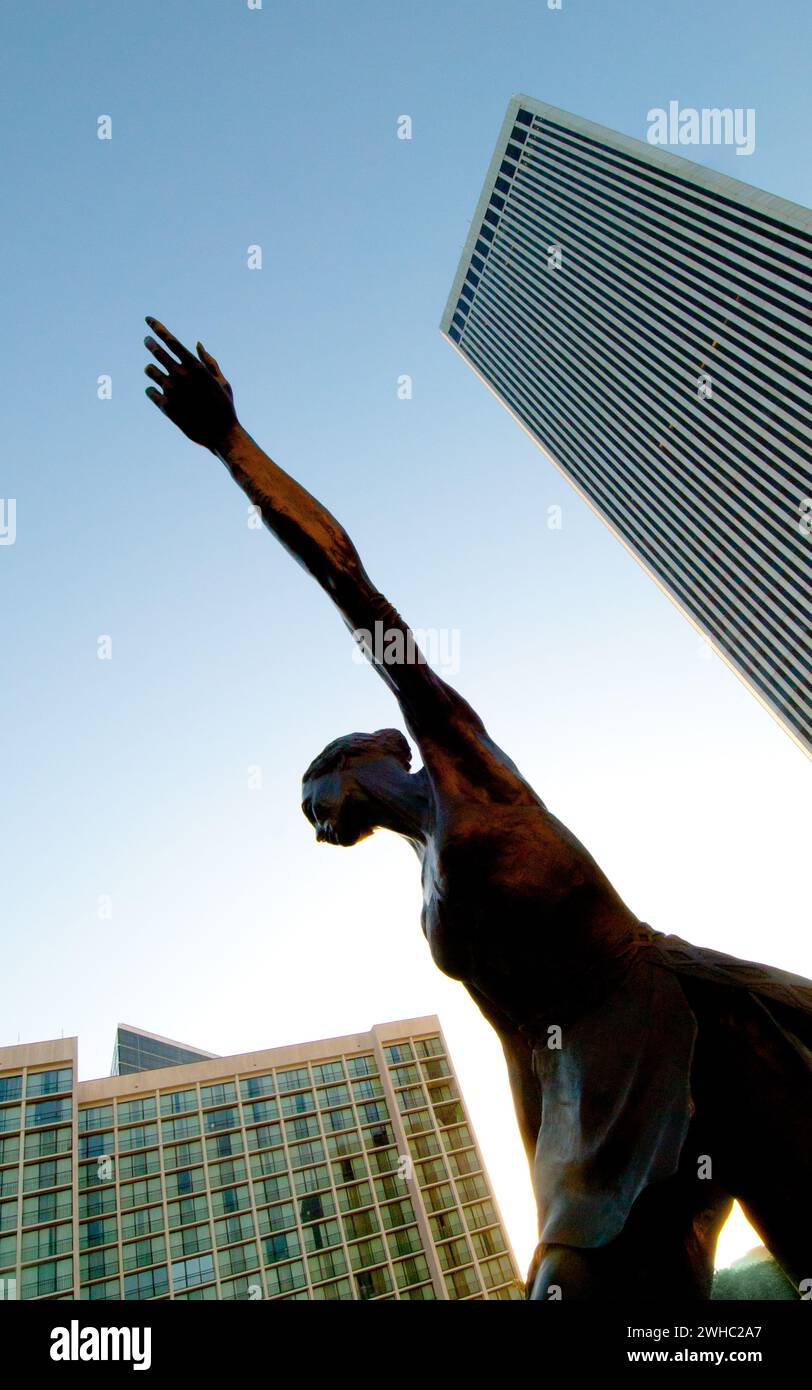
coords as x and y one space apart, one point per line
616 1096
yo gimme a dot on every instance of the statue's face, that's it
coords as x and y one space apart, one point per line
336 803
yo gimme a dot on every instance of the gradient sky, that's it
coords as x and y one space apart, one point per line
231 929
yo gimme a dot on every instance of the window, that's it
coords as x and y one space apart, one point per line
138 1137
221 1119
142 1223
490 1242
186 1128
310 1179
367 1089
97 1232
371 1283
223 1093
190 1241
470 1188
143 1252
48 1112
95 1117
137 1194
130 1111
285 1278
321 1235
48 1083
498 1271
230 1199
424 1146
462 1283
292 1078
432 1170
342 1145
411 1271
373 1110
398 1052
51 1240
139 1165
150 1283
383 1160
360 1223
177 1102
266 1137
185 1213
349 1169
238 1259
253 1086
367 1252
11 1087
223 1145
397 1214
8 1215
49 1207
405 1243
183 1155
109 1291
454 1253
187 1273
327 1265
404 1076
97 1203
97 1264
301 1154
303 1128
333 1095
233 1229
299 1103
438 1198
185 1182
463 1163
54 1172
361 1066
447 1224
272 1189
47 1141
257 1111
328 1071
277 1218
53 1277
95 1145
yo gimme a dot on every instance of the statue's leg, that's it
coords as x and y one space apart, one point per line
754 1091
665 1250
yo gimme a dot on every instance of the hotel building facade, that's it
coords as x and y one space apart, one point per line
341 1169
648 322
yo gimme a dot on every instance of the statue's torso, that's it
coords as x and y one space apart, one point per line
514 904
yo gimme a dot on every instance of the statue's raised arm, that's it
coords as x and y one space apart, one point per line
197 398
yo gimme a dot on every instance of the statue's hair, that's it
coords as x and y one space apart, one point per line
360 748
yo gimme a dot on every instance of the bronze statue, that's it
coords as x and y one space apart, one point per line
654 1081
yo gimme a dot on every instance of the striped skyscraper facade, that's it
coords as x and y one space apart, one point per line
648 321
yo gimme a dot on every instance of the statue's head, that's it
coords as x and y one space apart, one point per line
343 787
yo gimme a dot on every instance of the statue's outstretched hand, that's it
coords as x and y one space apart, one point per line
193 393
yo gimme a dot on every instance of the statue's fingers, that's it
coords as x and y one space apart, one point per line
158 352
181 352
156 374
156 397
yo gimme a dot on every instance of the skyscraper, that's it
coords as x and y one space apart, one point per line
137 1050
648 322
343 1169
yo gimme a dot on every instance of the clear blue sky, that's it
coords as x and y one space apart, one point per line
231 928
